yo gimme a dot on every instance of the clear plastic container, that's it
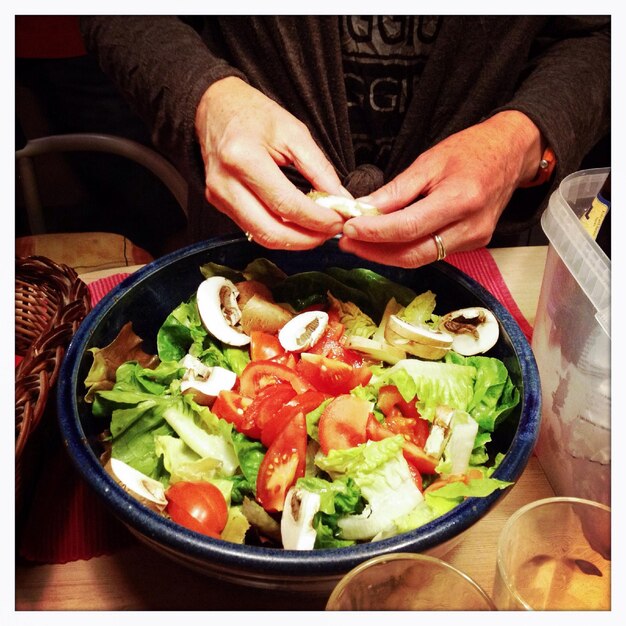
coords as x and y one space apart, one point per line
572 346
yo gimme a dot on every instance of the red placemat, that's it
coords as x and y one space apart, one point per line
67 521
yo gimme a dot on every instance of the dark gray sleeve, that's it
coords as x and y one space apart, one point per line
566 87
162 67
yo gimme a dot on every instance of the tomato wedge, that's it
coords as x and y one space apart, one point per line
343 424
414 454
264 346
331 346
199 506
302 403
259 374
267 402
282 465
231 407
331 376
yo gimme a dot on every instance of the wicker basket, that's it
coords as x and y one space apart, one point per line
50 303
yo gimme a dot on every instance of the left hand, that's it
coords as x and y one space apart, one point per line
457 189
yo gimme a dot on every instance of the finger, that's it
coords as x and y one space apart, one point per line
399 192
417 220
406 254
269 184
312 163
265 227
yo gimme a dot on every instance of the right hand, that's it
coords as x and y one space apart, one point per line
245 137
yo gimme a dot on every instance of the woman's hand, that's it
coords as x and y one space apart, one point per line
457 189
245 137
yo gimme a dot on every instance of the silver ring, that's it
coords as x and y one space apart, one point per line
249 236
441 249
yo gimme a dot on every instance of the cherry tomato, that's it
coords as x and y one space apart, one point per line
267 402
259 374
231 407
283 463
414 454
331 376
302 403
199 506
343 424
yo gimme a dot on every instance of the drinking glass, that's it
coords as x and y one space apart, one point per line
555 554
407 582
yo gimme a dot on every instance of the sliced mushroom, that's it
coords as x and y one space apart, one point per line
148 491
378 350
207 388
346 207
417 340
296 524
303 331
217 304
474 330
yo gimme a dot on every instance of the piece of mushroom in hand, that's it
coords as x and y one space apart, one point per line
346 207
475 330
217 304
417 339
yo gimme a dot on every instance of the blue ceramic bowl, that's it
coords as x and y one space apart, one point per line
149 295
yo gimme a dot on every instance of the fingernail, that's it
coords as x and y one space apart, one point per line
345 193
349 231
365 199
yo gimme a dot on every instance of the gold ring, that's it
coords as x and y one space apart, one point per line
249 236
441 249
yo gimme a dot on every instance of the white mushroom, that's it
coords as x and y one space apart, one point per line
207 388
147 490
296 524
419 340
303 331
474 330
346 207
219 311
379 350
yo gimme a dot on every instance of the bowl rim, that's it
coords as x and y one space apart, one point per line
334 561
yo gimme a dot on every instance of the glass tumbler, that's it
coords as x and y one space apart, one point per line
555 554
407 582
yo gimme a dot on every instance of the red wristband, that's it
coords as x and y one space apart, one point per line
546 167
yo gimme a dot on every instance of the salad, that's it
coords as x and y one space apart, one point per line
305 411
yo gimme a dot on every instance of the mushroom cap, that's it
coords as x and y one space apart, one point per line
216 299
475 330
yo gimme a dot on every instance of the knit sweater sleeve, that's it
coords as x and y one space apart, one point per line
566 87
161 67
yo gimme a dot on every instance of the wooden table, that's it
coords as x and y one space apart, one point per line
138 578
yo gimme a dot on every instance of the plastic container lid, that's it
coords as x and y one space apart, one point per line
588 264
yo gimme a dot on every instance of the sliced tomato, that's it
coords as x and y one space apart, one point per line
259 374
402 417
331 376
231 406
302 403
331 345
414 454
267 403
343 423
264 346
199 506
283 463
391 402
417 477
